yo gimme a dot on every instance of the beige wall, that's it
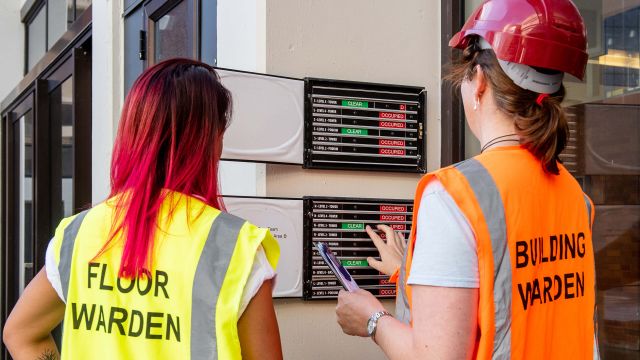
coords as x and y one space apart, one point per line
12 40
362 40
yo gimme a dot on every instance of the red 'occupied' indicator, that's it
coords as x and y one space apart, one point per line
393 208
392 152
392 116
385 142
387 291
385 217
393 125
398 227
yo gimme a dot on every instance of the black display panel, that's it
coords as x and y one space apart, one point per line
340 223
364 126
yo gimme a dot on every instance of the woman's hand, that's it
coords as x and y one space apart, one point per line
354 310
391 250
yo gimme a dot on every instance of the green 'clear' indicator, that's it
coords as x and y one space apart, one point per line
355 103
350 131
354 262
353 226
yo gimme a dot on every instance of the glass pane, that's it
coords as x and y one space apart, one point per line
36 35
59 20
25 198
61 107
133 66
605 154
471 143
67 146
81 6
172 34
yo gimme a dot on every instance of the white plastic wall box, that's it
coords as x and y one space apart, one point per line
267 123
328 124
283 217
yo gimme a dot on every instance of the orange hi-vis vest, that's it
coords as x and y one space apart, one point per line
535 256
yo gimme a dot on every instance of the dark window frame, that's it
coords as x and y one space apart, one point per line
156 9
452 149
71 57
33 9
203 20
10 249
29 11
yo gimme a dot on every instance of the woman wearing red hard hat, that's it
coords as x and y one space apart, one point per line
500 261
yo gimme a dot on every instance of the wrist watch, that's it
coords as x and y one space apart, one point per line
372 325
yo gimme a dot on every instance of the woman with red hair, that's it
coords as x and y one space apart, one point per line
158 270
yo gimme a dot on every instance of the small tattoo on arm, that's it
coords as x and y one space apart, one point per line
48 355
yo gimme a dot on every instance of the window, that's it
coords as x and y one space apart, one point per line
61 115
46 172
157 30
18 203
603 153
36 38
23 132
58 19
45 23
171 34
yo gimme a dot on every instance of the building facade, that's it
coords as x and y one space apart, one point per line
72 62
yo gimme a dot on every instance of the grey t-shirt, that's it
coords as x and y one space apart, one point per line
445 252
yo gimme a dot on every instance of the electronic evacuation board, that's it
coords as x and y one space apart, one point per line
340 223
362 126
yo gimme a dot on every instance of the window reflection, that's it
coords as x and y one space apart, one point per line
66 122
36 38
172 34
603 152
61 107
81 6
605 114
58 20
25 198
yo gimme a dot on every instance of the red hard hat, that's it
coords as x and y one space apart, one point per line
548 34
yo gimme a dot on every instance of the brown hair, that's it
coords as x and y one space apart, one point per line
542 128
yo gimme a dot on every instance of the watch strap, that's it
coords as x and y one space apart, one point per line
374 320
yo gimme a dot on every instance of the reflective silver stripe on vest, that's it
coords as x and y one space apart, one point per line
596 350
586 200
403 311
66 251
490 202
210 273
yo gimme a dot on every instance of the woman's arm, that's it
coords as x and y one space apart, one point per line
444 323
258 327
27 333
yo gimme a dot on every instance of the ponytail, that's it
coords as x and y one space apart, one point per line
542 127
543 130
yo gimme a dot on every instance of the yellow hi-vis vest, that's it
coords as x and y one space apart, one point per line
188 309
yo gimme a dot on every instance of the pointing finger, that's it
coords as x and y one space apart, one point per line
388 232
377 241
